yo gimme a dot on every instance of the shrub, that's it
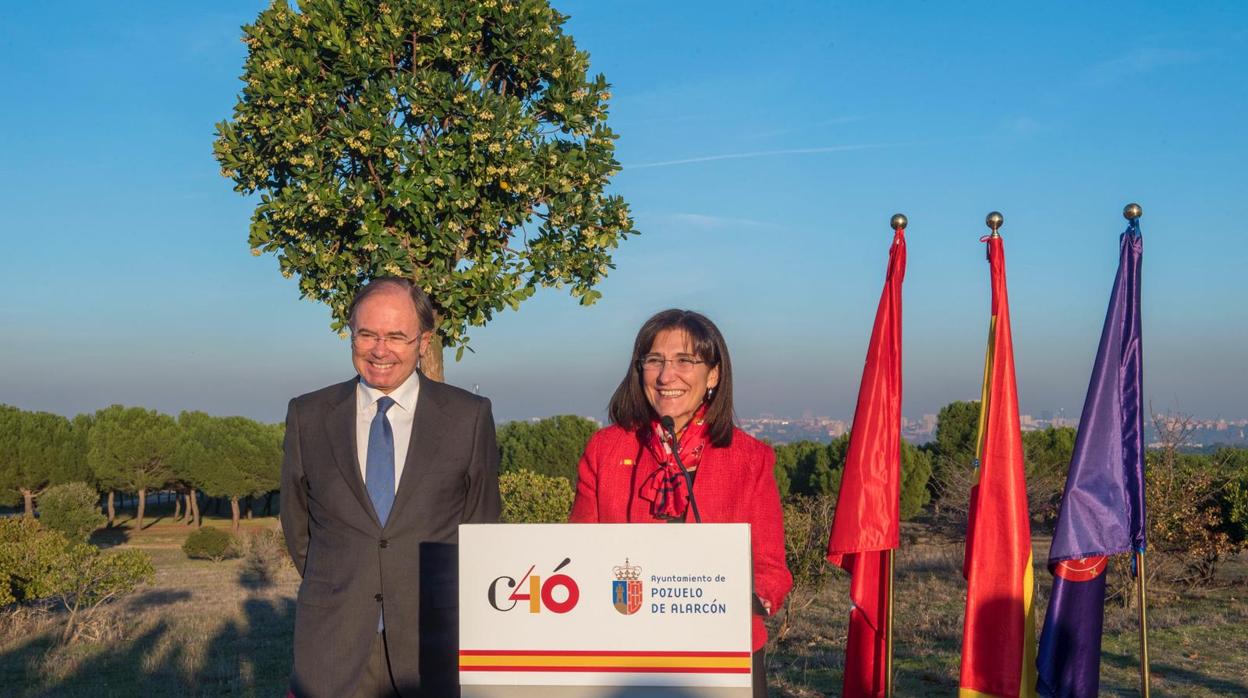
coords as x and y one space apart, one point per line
71 509
28 554
38 564
807 521
209 544
87 578
530 497
265 557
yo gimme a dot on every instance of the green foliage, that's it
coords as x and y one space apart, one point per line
550 446
1231 470
36 449
73 465
781 473
129 448
209 544
1048 451
530 497
814 470
73 509
37 563
808 465
461 145
916 470
228 456
1195 507
956 426
1046 455
10 431
27 552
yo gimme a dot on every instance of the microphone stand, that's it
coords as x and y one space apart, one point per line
669 425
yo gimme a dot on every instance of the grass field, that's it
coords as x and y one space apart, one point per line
205 628
1198 641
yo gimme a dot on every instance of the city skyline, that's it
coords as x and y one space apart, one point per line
763 151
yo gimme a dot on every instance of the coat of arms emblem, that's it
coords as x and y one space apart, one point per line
626 589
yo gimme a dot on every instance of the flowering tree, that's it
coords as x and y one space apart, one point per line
461 145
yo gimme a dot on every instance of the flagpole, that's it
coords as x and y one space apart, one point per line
898 222
1143 600
888 631
1132 212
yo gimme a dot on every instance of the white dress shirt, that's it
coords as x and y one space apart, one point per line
400 416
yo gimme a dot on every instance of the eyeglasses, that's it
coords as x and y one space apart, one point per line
367 340
654 363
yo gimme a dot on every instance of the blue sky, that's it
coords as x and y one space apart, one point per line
764 149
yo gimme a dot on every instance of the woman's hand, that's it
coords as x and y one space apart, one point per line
762 605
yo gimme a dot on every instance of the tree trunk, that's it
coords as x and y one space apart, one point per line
234 512
138 517
268 504
431 359
195 507
112 508
251 504
177 507
28 498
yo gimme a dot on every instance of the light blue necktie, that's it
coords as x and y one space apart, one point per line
379 470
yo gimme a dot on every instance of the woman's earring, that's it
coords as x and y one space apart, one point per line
710 392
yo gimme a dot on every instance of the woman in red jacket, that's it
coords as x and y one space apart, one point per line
680 370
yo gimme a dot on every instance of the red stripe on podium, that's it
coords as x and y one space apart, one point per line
622 669
597 653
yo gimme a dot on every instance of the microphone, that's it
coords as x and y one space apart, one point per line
669 426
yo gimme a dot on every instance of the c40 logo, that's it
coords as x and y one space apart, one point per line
538 593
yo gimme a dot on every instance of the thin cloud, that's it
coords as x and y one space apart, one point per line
1138 62
760 154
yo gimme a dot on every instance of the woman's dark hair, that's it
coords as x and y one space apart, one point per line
629 407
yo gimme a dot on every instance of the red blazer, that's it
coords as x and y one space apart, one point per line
733 485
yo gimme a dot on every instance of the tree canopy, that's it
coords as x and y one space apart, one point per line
230 457
129 448
37 449
550 446
461 145
815 469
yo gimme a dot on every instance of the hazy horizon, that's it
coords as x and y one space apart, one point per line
763 150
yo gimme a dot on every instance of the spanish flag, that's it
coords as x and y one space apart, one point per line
865 526
999 631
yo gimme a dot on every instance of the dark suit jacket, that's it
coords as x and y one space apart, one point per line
352 567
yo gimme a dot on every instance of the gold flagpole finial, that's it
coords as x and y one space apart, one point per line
899 221
994 221
1132 211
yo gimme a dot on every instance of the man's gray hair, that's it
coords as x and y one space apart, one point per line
424 307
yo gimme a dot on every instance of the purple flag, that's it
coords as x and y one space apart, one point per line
1103 506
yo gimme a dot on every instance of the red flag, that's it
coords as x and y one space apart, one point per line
866 526
999 632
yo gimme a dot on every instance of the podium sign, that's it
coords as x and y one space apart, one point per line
604 610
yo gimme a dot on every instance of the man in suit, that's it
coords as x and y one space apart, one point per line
378 473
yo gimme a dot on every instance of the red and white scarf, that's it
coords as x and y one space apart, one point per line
666 489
